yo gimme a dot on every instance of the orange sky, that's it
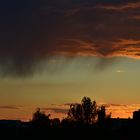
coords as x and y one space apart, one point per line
54 55
59 111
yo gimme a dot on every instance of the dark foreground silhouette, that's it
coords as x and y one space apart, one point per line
85 120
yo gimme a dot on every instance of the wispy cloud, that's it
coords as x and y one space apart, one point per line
56 110
137 17
120 71
9 107
127 47
117 110
122 110
126 6
68 104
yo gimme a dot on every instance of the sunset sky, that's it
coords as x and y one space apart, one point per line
54 52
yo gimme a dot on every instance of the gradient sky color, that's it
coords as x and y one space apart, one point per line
115 82
54 52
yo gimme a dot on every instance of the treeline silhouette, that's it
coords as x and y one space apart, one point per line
84 120
82 115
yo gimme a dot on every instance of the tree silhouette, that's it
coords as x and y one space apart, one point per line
101 113
40 118
86 112
75 112
89 110
55 123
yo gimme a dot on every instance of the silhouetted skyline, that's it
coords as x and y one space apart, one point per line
54 52
84 119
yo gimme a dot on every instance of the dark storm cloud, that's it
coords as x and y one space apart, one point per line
35 30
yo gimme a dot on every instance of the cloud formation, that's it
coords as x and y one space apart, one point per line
126 6
120 71
33 31
117 110
122 110
57 110
9 107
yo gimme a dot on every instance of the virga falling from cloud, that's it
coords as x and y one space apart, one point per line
35 31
